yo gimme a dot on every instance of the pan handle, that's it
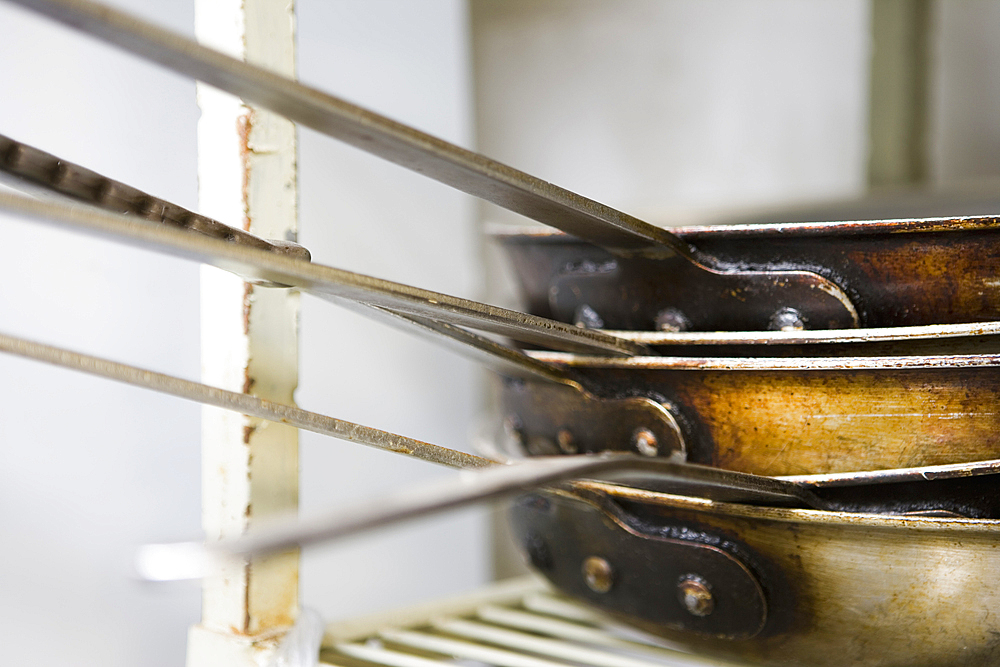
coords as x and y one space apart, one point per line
452 165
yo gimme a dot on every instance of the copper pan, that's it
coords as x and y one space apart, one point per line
767 415
895 273
773 586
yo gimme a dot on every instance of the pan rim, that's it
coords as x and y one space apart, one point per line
809 337
537 233
988 527
943 361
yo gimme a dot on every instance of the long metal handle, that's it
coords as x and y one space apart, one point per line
322 281
51 177
162 562
242 403
39 173
462 169
192 559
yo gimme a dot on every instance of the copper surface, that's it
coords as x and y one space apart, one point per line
811 416
855 589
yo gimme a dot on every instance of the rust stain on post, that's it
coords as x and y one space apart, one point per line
256 190
246 593
244 126
247 307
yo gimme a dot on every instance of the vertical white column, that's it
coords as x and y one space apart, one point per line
249 340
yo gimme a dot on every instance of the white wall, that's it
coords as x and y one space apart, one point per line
674 110
965 136
92 469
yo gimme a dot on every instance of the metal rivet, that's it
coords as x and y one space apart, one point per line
538 552
539 445
14 156
598 575
290 248
60 176
587 318
566 441
672 320
787 319
695 595
645 442
513 428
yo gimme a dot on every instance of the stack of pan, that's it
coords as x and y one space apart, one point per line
856 361
883 400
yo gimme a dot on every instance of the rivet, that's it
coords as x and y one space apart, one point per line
539 445
566 441
645 442
586 317
787 319
291 248
597 574
695 595
539 554
514 430
14 156
672 320
60 176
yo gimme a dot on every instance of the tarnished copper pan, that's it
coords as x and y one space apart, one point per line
771 416
773 586
896 273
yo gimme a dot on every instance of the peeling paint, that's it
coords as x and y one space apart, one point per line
244 126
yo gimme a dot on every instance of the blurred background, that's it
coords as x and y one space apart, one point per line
676 112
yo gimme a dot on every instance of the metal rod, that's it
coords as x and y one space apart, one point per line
496 356
242 403
42 172
322 281
433 157
46 175
190 560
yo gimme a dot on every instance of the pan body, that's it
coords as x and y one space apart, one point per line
831 588
791 416
896 273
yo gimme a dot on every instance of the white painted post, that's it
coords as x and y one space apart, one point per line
249 340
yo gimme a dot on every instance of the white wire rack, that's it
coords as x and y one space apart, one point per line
517 623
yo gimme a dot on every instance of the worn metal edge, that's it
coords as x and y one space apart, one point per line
913 474
509 232
786 515
770 363
838 336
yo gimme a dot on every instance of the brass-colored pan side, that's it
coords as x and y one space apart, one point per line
804 416
886 591
869 588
